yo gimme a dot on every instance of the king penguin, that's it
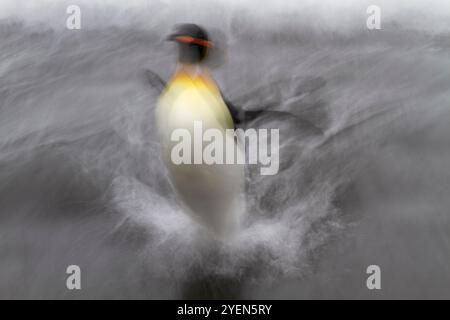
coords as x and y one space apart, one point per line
212 194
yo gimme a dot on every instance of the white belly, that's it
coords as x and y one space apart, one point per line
213 194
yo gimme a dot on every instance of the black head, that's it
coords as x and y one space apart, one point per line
193 43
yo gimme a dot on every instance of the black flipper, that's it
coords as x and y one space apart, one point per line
240 116
155 80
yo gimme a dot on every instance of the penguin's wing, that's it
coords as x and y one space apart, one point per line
244 119
155 80
240 116
247 118
236 113
266 101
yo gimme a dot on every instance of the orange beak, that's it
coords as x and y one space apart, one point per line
189 39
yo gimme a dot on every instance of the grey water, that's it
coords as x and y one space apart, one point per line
364 176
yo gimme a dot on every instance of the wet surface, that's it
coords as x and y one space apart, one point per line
363 179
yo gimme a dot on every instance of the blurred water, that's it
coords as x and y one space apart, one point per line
363 175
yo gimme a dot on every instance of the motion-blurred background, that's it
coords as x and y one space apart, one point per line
364 173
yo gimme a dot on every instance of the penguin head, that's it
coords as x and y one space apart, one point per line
193 43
